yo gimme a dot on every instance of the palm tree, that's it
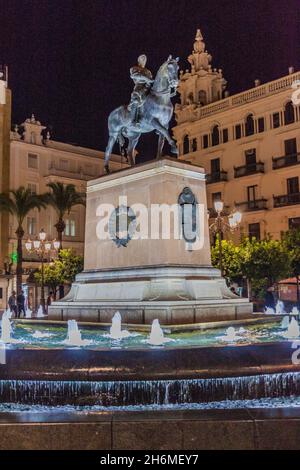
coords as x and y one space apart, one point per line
19 202
62 198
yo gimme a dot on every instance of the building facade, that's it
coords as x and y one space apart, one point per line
34 161
5 126
248 143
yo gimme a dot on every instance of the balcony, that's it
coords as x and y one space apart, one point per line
78 174
286 160
286 200
216 177
250 169
249 206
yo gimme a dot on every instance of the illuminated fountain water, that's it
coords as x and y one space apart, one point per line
6 328
28 313
293 330
157 337
8 313
295 311
230 335
74 335
279 308
285 322
40 312
40 335
116 331
269 311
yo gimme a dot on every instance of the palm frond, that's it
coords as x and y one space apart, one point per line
64 197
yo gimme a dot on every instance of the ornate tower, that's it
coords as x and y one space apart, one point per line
201 84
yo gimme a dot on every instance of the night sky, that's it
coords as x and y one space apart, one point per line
69 60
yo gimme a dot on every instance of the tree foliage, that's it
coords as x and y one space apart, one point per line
63 270
263 263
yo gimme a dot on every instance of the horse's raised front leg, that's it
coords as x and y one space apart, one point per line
160 146
133 140
157 126
108 151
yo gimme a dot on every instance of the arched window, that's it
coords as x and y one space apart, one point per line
202 98
289 113
186 145
32 138
249 125
190 98
215 136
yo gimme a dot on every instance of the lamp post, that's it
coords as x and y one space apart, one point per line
220 225
41 246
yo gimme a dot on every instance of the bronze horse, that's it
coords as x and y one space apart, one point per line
154 115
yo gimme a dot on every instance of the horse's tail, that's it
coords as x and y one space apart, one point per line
121 141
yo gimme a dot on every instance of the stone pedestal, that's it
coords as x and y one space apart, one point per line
156 274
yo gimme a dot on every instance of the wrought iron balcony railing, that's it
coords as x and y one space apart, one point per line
250 169
286 160
286 199
216 177
248 206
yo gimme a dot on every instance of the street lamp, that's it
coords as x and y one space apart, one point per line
41 246
220 225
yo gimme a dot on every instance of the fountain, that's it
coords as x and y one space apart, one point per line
285 322
28 313
157 337
295 312
40 312
8 313
279 308
116 331
39 335
5 328
230 335
293 330
74 335
269 311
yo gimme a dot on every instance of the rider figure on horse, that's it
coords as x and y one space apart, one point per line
142 78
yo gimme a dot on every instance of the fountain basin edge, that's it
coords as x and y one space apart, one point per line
152 364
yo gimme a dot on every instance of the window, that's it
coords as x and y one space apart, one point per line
289 113
261 124
251 197
215 136
32 188
194 145
202 97
238 131
250 157
33 161
1 293
276 120
290 147
216 197
249 125
215 166
254 231
31 225
32 138
225 135
186 145
63 165
70 228
294 223
293 185
205 141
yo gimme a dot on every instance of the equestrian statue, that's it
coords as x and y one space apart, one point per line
150 109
